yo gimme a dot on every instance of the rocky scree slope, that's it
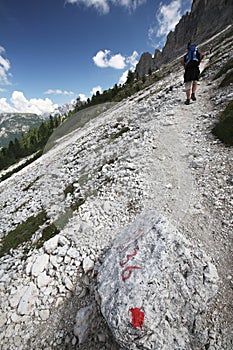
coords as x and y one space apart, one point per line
147 152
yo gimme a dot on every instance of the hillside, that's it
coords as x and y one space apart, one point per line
14 124
62 214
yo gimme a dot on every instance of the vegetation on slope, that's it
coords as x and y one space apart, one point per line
31 142
224 128
24 232
36 139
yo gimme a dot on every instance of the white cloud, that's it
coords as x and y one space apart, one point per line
19 104
168 16
5 106
123 78
95 89
104 59
82 97
103 6
58 92
132 61
4 68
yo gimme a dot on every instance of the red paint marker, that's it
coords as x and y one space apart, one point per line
137 317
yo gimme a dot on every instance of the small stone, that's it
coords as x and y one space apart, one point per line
51 244
40 264
43 280
68 283
28 300
44 314
74 341
3 319
83 325
88 264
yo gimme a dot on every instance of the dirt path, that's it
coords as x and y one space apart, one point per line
180 173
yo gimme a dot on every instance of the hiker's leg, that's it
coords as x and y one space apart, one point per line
188 91
194 89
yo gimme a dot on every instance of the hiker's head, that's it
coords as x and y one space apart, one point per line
189 43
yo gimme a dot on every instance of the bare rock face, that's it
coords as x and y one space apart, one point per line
145 64
207 17
155 289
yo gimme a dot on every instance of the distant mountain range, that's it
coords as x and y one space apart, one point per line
12 125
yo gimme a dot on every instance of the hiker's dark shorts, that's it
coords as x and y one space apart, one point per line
191 73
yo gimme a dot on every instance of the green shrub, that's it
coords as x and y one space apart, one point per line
119 133
227 80
22 233
48 232
224 128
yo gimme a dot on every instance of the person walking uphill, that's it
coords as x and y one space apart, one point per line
191 63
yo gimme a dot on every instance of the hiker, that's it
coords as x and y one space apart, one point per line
191 63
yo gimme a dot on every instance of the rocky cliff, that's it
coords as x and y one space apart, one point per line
207 17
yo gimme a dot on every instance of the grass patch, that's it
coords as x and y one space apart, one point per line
224 128
25 189
119 133
77 204
22 233
20 167
48 232
83 180
227 80
69 189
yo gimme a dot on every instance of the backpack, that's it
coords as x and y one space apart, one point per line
192 58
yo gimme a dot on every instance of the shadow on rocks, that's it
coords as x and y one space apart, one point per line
77 323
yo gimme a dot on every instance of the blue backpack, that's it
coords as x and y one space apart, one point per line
192 58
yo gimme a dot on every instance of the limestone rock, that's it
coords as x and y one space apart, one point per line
88 264
155 287
3 319
40 264
51 244
44 314
43 280
28 300
84 319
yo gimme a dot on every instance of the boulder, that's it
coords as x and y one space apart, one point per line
28 300
154 287
40 264
51 244
84 322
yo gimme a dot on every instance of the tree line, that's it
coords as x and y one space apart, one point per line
32 141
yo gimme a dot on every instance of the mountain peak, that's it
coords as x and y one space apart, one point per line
198 25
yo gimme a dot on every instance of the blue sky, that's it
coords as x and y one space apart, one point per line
54 51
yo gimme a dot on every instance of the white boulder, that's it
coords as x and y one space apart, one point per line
155 287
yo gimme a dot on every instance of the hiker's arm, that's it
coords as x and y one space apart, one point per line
182 61
202 55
